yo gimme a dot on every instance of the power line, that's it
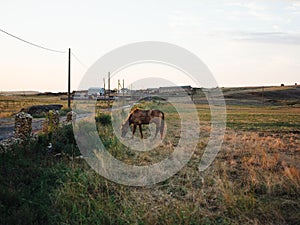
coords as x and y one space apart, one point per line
78 60
28 42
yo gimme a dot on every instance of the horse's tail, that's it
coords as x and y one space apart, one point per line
162 124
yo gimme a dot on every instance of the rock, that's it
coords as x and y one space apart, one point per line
6 145
51 122
23 128
71 116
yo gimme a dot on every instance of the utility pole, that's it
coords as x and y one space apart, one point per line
262 95
69 80
104 86
108 90
119 89
192 94
123 88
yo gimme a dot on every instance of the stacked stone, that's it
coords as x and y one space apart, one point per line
71 116
23 128
5 145
55 119
45 126
51 122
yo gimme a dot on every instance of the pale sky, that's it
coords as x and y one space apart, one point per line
243 43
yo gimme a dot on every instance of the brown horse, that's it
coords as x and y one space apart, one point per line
138 117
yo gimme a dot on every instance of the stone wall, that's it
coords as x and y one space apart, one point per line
23 128
51 121
71 117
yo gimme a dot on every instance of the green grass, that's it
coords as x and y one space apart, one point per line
28 177
103 118
264 119
254 179
249 118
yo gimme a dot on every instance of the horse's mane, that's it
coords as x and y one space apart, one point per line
136 109
130 114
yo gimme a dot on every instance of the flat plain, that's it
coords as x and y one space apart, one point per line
255 178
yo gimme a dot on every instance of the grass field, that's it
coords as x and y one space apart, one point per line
255 178
11 104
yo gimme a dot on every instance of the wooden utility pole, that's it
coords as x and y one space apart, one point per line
123 88
192 94
119 85
108 90
262 95
69 80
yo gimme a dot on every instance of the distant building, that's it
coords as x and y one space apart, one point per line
95 91
176 89
152 90
82 94
124 90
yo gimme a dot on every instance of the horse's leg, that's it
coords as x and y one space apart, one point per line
140 126
161 127
133 131
156 130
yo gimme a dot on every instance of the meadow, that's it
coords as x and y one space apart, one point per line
12 104
255 178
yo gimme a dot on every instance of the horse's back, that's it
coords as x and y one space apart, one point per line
157 113
141 116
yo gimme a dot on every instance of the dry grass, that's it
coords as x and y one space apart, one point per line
10 105
255 178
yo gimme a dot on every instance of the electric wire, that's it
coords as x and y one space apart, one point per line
44 48
78 60
30 43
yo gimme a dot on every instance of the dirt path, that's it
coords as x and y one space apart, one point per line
7 125
6 128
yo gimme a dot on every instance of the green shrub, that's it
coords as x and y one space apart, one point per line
39 115
63 141
64 111
103 118
27 177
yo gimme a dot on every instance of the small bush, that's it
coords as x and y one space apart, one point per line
64 111
103 118
63 141
39 115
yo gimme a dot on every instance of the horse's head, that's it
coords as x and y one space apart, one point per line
124 129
